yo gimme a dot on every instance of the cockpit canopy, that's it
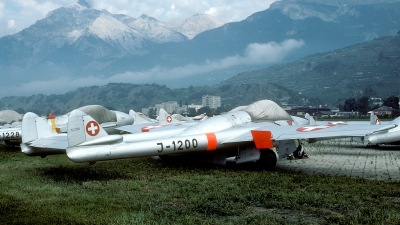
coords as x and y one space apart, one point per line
264 110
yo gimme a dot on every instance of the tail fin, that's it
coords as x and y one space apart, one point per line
138 119
164 118
373 119
83 128
310 119
301 121
35 127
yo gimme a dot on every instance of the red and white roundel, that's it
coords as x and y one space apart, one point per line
92 128
311 128
337 123
169 119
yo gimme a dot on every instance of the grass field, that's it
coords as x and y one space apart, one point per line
55 190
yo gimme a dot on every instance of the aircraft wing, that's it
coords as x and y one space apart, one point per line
280 133
140 128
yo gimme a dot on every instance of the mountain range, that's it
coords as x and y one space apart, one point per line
79 46
319 79
337 75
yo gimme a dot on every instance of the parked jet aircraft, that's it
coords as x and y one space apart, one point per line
389 134
200 117
42 137
246 135
10 127
140 118
164 119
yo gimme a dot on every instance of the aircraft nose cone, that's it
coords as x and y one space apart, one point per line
75 155
373 139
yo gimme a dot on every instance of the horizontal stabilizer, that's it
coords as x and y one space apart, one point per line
107 140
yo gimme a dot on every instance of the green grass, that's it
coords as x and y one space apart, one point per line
55 190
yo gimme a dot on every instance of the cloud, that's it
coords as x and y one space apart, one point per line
212 11
255 54
11 24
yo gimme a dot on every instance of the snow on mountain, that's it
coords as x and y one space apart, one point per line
67 26
152 29
110 29
197 24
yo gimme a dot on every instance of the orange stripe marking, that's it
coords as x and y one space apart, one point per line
212 142
262 139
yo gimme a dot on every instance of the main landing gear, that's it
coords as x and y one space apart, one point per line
299 153
267 159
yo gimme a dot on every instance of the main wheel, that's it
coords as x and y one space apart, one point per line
298 155
267 159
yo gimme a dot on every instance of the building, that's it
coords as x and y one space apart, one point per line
211 101
301 111
196 107
171 107
384 111
375 101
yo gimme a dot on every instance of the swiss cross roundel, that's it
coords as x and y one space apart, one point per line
311 128
92 128
169 119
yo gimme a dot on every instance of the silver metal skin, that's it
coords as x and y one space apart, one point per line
11 135
222 135
208 135
389 134
41 139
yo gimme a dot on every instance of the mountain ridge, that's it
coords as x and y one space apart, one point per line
65 47
339 74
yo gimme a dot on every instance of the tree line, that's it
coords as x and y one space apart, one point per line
364 104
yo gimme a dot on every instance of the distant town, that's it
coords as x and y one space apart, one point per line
210 104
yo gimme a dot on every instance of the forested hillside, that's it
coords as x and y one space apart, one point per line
337 75
123 97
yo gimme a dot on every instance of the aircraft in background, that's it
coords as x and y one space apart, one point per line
10 127
47 136
140 118
244 135
200 117
42 139
144 125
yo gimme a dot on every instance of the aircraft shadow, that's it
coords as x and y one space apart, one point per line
371 147
190 163
74 174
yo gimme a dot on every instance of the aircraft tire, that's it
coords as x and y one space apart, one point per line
298 155
267 159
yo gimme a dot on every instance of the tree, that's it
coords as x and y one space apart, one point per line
362 105
370 92
152 112
220 110
191 111
392 101
349 104
207 110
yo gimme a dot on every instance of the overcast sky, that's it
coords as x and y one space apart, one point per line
16 15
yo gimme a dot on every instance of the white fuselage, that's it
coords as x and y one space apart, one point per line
386 137
208 135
